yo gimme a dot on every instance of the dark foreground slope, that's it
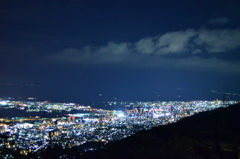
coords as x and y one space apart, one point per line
213 134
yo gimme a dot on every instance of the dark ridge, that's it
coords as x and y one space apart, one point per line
212 134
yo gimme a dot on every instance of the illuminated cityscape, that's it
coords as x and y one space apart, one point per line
89 129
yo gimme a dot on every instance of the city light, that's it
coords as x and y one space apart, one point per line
91 124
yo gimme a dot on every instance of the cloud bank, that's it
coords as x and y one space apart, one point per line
177 50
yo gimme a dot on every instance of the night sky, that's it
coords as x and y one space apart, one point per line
131 50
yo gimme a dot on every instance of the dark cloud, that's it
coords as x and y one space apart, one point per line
111 53
217 41
163 51
171 42
212 64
